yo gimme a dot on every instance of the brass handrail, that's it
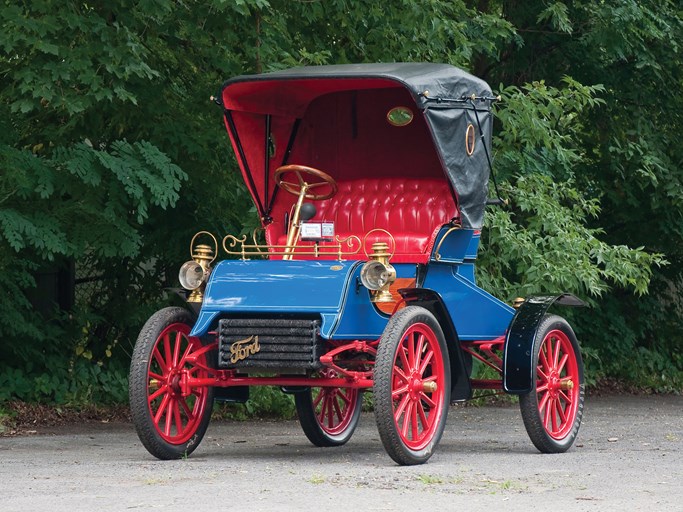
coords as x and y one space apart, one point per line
231 242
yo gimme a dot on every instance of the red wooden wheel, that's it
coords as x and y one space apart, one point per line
170 418
412 385
328 416
552 411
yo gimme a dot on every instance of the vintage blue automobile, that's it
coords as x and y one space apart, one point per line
371 183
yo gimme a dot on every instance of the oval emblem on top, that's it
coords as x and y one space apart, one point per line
336 267
400 116
469 139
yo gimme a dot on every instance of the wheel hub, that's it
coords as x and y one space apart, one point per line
174 383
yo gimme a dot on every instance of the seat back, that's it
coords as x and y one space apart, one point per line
412 210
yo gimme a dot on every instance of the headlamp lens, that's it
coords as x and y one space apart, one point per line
374 275
191 275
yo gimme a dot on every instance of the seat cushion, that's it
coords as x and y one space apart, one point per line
412 210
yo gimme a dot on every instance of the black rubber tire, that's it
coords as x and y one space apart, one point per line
139 392
539 434
392 438
310 423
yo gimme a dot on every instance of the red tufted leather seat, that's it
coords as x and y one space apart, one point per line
412 210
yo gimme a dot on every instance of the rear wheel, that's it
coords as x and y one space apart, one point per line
170 421
328 416
553 409
412 385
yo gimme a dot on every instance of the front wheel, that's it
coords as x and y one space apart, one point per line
170 419
328 416
412 385
553 409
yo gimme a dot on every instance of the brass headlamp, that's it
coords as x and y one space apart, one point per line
194 273
378 274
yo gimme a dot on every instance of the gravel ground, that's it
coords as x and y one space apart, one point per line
627 458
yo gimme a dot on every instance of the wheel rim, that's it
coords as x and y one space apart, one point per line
334 407
418 386
176 413
557 384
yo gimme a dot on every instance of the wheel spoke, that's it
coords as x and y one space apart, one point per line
176 348
413 422
541 373
155 376
411 351
398 372
318 398
163 389
418 350
543 401
431 403
406 419
423 417
553 414
167 352
156 355
338 410
542 359
401 407
548 414
560 412
178 419
425 362
329 402
188 351
567 398
169 417
395 393
404 359
322 397
562 363
186 408
556 352
162 407
344 396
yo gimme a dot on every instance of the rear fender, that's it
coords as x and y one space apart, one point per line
518 356
461 389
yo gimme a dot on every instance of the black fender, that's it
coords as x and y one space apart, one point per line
461 388
518 350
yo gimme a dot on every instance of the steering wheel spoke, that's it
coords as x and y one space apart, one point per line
319 179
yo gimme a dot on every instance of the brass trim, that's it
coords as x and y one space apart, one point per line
381 254
518 302
241 349
215 244
429 387
353 245
437 256
470 139
393 241
567 384
204 256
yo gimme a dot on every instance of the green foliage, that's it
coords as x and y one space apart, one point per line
112 157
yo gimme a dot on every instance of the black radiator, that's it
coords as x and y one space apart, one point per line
272 344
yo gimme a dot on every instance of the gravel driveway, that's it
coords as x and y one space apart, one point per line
628 457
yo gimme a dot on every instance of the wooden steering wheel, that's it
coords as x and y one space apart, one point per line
323 179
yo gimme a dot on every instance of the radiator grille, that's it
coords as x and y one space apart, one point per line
269 343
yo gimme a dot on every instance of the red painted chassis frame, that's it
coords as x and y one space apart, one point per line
486 351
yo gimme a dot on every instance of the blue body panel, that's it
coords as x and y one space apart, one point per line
276 286
332 289
476 314
360 319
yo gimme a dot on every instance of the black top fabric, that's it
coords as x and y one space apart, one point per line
453 101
